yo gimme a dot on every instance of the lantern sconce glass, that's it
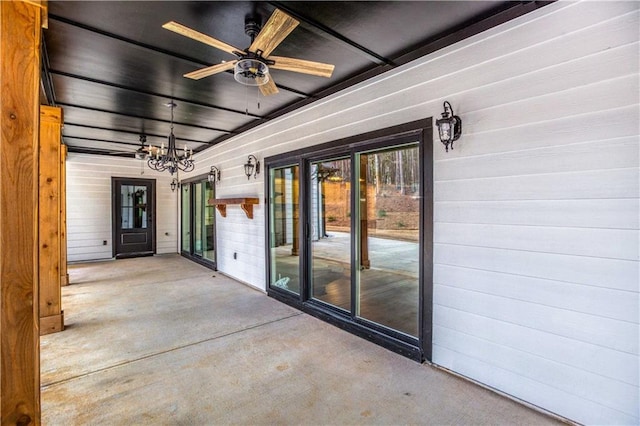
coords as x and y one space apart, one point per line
252 169
174 184
449 126
214 175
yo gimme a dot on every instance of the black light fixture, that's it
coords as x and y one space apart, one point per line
174 184
449 126
214 175
252 169
252 69
170 159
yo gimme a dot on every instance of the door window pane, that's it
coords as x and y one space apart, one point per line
133 207
387 280
284 239
330 217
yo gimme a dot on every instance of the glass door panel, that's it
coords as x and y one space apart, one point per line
284 239
198 221
186 218
198 229
387 282
330 225
208 223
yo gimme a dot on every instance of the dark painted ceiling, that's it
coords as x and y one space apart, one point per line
113 68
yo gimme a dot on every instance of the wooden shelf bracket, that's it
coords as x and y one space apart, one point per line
246 204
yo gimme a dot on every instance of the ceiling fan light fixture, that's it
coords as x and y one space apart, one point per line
251 72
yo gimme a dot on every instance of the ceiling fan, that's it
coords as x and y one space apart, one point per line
139 154
253 63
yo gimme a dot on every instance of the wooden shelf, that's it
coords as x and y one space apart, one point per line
246 204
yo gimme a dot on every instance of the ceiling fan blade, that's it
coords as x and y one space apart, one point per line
203 38
214 69
269 88
274 31
302 66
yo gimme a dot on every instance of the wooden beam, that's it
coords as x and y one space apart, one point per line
20 32
64 274
51 316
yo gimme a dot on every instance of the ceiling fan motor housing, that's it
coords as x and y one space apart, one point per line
251 27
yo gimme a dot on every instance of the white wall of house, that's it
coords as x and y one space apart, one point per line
536 277
89 210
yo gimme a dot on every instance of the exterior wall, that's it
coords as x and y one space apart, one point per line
536 279
89 205
536 208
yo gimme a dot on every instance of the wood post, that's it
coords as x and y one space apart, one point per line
51 315
20 33
64 275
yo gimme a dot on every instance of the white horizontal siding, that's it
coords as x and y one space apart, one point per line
536 209
534 391
600 301
595 185
592 242
603 213
236 233
614 274
89 209
561 159
616 394
536 220
617 335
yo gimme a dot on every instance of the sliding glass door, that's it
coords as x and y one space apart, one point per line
329 189
375 254
284 226
350 234
388 231
198 222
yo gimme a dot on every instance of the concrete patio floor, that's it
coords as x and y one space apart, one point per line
162 340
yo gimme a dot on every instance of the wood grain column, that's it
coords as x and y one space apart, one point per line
20 32
64 274
51 315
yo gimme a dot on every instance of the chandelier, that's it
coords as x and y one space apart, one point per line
162 159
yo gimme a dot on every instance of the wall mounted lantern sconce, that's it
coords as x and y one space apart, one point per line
174 184
252 169
449 126
214 175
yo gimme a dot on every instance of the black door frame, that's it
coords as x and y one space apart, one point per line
190 252
116 183
419 349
